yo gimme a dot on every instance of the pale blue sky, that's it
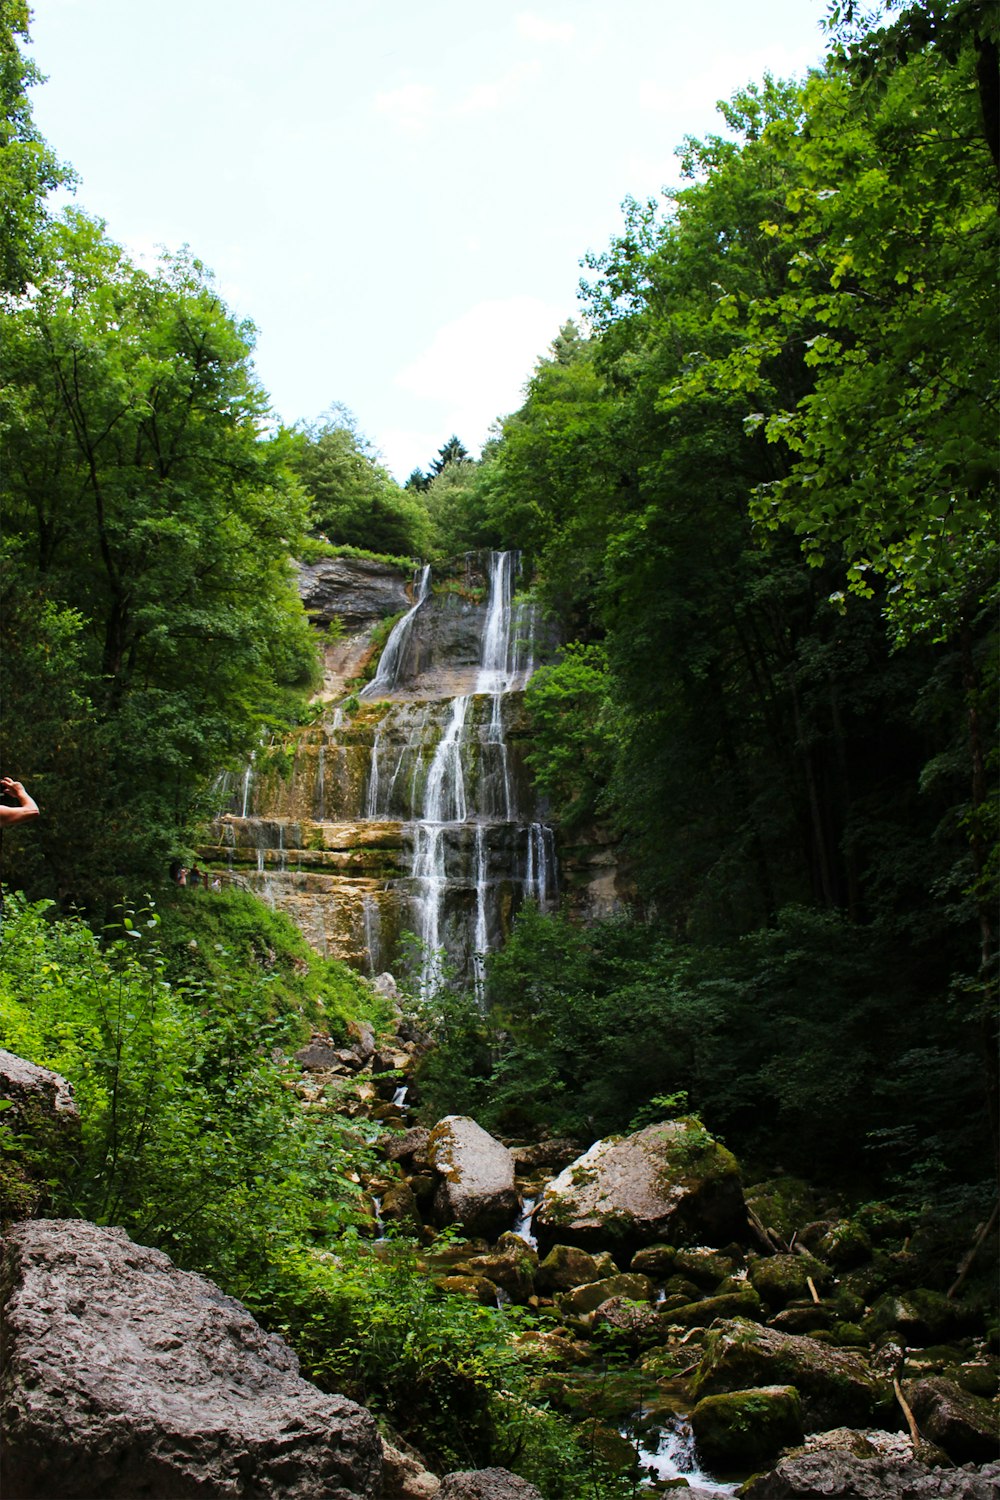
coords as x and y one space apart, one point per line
397 192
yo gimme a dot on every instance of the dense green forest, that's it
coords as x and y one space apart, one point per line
755 485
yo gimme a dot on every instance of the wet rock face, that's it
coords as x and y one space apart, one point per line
476 1177
667 1182
355 590
124 1376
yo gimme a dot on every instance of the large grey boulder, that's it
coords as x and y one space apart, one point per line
831 1474
40 1112
475 1177
123 1376
668 1182
487 1484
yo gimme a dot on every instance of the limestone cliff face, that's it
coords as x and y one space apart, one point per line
407 805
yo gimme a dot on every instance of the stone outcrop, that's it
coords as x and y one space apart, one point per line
42 1114
125 1376
475 1177
844 1475
670 1181
356 591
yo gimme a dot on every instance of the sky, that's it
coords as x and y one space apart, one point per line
398 193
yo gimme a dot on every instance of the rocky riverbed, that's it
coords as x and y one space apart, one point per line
715 1336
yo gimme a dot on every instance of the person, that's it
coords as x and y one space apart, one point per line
26 807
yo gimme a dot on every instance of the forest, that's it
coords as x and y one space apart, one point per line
754 490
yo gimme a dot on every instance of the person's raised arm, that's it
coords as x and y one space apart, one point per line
27 806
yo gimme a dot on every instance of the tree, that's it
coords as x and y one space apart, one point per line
451 452
354 501
28 168
150 524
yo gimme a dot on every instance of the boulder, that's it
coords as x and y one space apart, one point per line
409 1146
511 1266
920 1317
487 1484
747 1429
636 1324
654 1260
41 1113
125 1376
670 1181
837 1387
833 1473
963 1425
781 1279
557 1152
585 1299
476 1177
566 1267
404 1477
705 1267
742 1304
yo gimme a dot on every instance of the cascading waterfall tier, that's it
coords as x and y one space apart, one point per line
409 808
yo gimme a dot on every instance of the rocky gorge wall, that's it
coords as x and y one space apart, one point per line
407 805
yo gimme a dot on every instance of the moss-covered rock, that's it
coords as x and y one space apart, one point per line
783 1204
836 1386
920 1317
781 1279
705 1267
654 1260
745 1429
565 1267
845 1244
742 1304
582 1300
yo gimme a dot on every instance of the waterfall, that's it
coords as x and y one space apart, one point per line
388 668
444 802
414 813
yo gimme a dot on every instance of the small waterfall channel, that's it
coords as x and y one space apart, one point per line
412 811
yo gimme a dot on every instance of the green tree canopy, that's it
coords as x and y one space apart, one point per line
354 501
149 522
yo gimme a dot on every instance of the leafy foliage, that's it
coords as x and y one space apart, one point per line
148 518
354 501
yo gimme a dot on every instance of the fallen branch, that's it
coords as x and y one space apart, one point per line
907 1413
812 1287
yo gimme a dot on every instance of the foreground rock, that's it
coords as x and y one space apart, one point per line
826 1473
124 1376
475 1177
487 1484
42 1114
668 1182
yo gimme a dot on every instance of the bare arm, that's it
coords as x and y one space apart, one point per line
27 806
